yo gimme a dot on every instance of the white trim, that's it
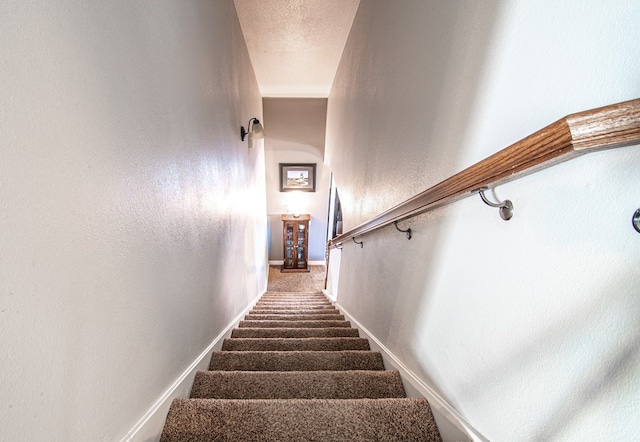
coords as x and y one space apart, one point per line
329 295
418 387
149 427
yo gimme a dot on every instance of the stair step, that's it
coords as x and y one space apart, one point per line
296 360
295 317
297 384
293 305
295 344
303 324
199 420
288 332
307 292
326 311
295 296
296 300
293 299
286 307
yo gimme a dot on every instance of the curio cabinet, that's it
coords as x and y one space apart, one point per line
295 237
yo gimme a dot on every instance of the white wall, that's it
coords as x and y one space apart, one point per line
295 133
125 196
529 328
315 203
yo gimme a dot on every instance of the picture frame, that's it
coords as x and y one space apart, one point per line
300 177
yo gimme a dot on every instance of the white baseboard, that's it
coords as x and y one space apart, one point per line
453 427
332 297
149 427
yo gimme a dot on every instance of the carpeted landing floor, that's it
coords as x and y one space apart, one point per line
312 281
295 370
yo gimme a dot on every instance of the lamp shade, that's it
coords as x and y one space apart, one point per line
257 132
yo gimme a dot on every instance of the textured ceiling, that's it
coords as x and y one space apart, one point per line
295 45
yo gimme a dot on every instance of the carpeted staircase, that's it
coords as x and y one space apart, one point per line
295 370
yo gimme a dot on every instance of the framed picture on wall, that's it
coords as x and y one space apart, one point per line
297 177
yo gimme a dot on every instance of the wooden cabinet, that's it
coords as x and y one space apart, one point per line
295 237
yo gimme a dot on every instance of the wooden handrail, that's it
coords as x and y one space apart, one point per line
598 129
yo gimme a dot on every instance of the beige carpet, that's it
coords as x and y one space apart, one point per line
312 281
293 379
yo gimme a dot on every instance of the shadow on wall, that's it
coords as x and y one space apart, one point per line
599 366
394 283
421 83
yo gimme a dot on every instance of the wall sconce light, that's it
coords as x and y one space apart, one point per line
255 130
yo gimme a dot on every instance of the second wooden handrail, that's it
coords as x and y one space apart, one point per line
598 129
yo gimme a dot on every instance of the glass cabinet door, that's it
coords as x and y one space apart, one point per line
301 245
289 247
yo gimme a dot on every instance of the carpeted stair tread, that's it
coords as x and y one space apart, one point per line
296 360
326 311
289 306
295 303
313 297
294 292
295 344
296 317
288 332
283 420
294 324
297 385
294 300
286 307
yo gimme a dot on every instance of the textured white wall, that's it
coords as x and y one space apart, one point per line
295 129
132 217
529 328
315 203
